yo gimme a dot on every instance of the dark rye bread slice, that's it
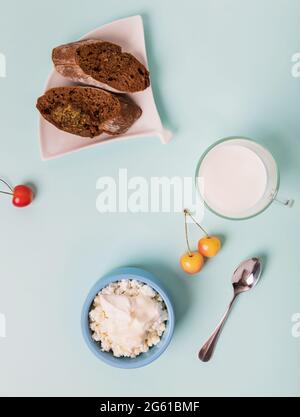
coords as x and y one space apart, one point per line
101 64
88 111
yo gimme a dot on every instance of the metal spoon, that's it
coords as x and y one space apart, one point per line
244 278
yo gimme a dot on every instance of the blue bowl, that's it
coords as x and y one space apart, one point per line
155 351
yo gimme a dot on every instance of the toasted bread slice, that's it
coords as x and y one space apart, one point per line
88 111
101 64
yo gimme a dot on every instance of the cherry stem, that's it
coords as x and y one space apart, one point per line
5 192
7 185
187 212
186 234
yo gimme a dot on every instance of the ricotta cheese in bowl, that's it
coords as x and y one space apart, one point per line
127 318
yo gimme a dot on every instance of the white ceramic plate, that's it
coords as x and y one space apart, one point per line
129 34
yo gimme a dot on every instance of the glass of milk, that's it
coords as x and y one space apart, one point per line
237 178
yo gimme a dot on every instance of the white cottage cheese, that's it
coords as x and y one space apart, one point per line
127 318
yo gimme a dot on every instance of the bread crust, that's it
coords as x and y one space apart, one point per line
129 113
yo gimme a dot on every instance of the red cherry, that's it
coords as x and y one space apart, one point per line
22 196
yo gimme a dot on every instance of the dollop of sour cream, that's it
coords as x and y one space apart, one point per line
129 318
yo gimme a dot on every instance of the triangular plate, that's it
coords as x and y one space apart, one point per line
129 34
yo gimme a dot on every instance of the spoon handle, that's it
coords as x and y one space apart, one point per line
208 348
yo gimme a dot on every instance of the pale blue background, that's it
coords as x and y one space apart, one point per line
218 68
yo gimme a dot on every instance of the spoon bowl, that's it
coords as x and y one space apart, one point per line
246 275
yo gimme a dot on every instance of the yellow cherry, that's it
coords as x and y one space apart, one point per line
192 262
209 246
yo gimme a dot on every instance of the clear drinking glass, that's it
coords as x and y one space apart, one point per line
272 180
